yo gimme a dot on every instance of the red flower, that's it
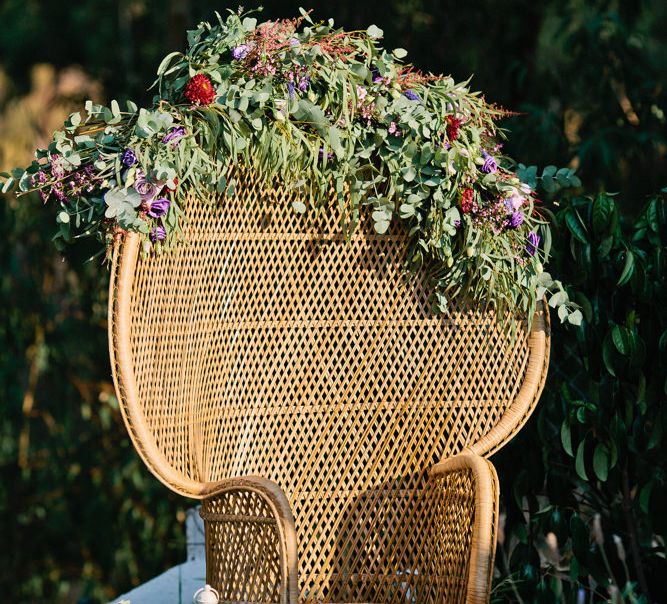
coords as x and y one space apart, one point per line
199 90
466 200
453 126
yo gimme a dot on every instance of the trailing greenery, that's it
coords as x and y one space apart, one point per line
318 108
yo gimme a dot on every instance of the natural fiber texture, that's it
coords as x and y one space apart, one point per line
270 346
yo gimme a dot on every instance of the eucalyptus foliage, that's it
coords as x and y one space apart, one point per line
320 109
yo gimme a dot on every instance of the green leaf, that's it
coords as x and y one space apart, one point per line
566 437
381 226
579 464
409 173
607 355
299 207
645 497
601 462
165 62
249 24
628 268
575 226
601 216
622 338
374 32
400 53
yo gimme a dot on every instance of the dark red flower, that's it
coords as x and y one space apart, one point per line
453 126
466 200
199 90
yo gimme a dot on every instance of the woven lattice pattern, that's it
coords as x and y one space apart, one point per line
271 346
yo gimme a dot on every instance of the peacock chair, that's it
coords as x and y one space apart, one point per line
336 430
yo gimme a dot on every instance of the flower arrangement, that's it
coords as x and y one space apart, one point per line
316 107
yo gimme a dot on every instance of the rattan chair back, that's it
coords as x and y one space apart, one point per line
270 345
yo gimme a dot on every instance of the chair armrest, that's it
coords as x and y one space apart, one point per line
250 527
473 480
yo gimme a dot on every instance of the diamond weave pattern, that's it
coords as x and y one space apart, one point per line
270 345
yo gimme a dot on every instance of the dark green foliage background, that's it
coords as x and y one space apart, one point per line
79 515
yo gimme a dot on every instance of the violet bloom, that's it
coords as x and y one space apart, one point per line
490 165
375 74
457 223
159 207
57 166
175 134
412 95
294 42
129 157
516 220
59 193
145 187
157 234
321 154
290 89
38 178
304 83
240 52
533 242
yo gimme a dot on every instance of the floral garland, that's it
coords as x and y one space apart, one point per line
313 106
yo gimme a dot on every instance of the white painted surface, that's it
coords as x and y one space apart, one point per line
178 584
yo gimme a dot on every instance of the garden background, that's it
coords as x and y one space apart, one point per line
584 484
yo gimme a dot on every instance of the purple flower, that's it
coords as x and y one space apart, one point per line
375 74
490 165
457 223
304 83
516 220
175 134
145 187
159 207
129 157
157 234
38 178
240 52
321 154
59 193
533 242
57 166
294 42
290 89
412 95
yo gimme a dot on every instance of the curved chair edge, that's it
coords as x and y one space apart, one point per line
485 522
120 291
526 400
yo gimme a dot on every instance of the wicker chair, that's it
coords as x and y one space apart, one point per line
335 429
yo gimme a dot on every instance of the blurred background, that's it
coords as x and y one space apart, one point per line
81 520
